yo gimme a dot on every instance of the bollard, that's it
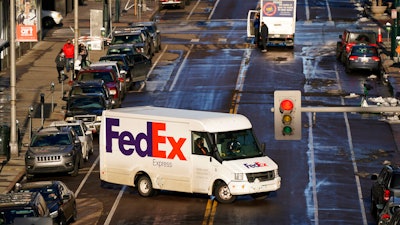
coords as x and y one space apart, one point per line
52 96
42 107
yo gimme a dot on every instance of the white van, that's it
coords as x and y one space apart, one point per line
156 148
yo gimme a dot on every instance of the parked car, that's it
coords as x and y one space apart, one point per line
128 49
121 73
363 57
51 18
87 108
175 3
351 37
139 67
109 77
139 37
54 150
85 135
88 87
125 63
153 30
60 200
395 219
391 207
24 208
384 185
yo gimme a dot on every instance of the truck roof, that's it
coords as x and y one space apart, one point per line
198 120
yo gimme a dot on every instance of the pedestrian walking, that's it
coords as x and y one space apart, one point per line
60 65
68 50
264 37
83 52
256 25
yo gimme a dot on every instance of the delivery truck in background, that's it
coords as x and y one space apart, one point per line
280 17
156 148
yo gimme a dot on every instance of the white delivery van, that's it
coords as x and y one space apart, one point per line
154 148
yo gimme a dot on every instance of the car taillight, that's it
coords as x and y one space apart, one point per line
121 79
376 58
353 57
385 216
348 47
386 195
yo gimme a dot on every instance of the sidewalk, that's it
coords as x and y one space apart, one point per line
36 71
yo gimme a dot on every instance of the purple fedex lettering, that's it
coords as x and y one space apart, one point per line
127 143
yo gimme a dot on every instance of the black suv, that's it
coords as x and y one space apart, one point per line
140 37
351 37
386 184
59 199
54 150
20 208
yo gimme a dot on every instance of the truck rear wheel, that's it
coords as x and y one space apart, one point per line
223 194
145 187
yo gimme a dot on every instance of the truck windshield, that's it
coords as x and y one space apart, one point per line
237 145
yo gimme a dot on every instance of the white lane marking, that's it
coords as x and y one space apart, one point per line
180 69
353 158
311 172
212 11
86 177
115 205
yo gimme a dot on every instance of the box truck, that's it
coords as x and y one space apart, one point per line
155 148
280 17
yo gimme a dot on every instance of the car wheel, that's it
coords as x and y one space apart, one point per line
86 156
145 187
75 172
62 220
223 194
74 216
48 22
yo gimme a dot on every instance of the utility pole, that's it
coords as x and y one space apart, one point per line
76 33
395 27
13 135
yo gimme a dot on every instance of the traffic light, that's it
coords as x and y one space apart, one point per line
287 115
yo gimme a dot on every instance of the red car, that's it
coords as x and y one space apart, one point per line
110 78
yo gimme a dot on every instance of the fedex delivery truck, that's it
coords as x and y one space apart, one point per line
280 17
154 148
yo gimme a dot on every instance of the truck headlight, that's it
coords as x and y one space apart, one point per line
238 176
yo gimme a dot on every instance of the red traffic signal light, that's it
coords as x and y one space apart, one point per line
287 119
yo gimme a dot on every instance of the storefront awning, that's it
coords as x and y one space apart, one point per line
3 44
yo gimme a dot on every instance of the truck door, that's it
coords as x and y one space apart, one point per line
250 18
202 163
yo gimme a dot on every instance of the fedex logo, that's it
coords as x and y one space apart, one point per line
128 143
255 165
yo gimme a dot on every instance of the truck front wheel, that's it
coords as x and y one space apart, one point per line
145 187
223 194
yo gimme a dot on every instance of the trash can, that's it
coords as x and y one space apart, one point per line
5 141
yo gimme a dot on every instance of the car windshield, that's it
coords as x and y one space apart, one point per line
237 145
395 182
105 76
127 39
85 103
49 194
87 90
364 51
363 37
77 129
51 140
7 216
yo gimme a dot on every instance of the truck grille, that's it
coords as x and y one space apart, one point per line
52 158
263 176
86 118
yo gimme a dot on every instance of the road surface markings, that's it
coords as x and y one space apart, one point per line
209 214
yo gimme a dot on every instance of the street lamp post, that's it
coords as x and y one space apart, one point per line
388 28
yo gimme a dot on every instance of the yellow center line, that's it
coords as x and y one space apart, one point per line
209 213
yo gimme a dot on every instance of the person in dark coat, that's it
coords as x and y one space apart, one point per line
60 64
256 25
264 37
